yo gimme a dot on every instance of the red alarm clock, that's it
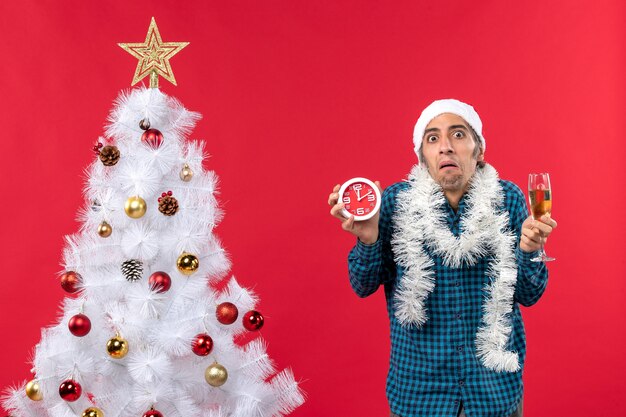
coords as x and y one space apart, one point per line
361 198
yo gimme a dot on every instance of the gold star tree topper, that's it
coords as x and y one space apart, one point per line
154 56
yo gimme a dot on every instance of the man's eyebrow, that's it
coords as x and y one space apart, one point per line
434 129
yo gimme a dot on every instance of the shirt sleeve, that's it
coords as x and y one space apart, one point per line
370 266
532 277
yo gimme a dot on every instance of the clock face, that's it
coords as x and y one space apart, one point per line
361 198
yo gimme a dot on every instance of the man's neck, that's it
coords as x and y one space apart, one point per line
453 198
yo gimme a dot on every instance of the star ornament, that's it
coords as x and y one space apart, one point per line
154 56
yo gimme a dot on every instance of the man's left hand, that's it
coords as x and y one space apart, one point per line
536 232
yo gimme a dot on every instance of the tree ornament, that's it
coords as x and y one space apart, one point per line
117 347
109 155
186 174
152 413
33 390
70 390
154 56
202 344
79 325
152 137
93 412
227 313
132 270
96 148
160 282
168 205
70 281
144 124
216 375
135 207
187 263
105 229
96 206
253 320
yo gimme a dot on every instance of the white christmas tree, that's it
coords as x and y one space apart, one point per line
145 331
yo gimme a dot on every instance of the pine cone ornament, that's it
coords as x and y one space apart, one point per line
132 270
109 155
168 205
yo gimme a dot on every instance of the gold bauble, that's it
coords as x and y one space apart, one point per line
33 390
187 263
93 412
216 375
117 347
135 207
105 229
186 174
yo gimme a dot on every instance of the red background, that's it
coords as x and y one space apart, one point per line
298 96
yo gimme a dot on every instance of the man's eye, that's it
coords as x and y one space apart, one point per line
431 138
458 134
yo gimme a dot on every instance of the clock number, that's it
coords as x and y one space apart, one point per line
371 197
360 211
357 187
346 200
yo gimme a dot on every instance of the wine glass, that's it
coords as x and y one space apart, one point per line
540 196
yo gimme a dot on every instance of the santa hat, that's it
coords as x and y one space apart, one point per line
453 106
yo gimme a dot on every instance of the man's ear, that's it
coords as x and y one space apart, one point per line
481 155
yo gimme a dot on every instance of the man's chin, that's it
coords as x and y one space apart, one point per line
451 183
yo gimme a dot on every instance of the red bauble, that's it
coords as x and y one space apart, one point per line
227 313
70 390
70 281
202 344
160 281
152 413
79 325
253 320
152 137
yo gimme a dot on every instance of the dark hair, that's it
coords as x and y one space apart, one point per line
478 149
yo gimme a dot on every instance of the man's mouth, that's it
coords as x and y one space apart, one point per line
447 164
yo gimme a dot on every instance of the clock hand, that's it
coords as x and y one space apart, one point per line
358 195
361 198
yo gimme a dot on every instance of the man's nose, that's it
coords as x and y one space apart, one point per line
445 146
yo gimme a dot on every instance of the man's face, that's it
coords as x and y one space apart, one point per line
448 149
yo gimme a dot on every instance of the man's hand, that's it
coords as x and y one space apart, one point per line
536 232
366 231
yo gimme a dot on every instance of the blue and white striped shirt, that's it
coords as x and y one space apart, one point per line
435 368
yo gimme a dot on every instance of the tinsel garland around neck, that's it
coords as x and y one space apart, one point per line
421 221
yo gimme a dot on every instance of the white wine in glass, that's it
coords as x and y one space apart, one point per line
540 197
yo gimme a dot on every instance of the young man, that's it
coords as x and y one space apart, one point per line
452 247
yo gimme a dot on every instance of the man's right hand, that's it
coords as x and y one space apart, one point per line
366 231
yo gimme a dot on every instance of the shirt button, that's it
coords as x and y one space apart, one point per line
460 349
461 382
458 316
457 283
